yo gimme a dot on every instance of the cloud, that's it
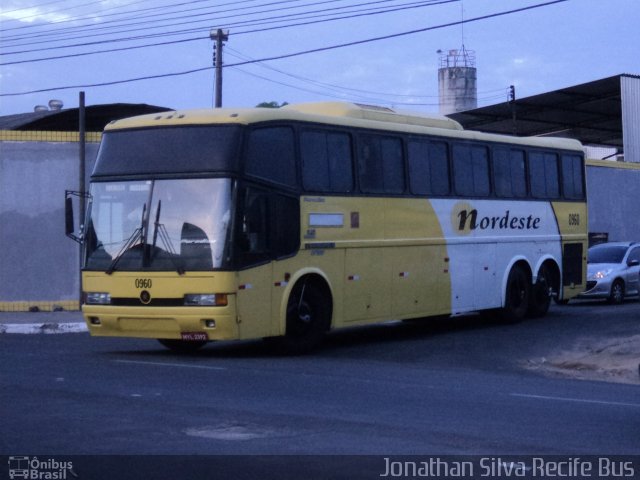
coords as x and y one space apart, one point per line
33 15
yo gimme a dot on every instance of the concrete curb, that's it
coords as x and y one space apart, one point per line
46 328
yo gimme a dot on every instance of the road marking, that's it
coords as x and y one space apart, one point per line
165 364
575 400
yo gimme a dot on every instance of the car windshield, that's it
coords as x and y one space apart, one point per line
606 254
178 224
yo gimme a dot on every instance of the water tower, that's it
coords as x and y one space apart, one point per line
457 81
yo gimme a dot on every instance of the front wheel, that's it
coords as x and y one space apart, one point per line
517 296
308 318
616 296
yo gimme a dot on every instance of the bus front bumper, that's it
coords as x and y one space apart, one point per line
186 323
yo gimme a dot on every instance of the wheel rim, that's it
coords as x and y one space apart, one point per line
617 293
301 317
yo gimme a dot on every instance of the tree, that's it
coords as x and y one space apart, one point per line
272 104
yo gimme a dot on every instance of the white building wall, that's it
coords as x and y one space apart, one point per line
39 265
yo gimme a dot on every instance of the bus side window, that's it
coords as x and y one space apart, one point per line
326 161
572 177
271 155
509 174
380 164
543 175
269 227
428 167
285 229
252 240
471 170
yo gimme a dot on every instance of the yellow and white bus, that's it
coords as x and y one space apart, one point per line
251 223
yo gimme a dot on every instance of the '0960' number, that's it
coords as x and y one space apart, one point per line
143 283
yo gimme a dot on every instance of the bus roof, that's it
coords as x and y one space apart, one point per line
335 113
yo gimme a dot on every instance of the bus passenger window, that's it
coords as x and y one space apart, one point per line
326 161
380 164
543 175
471 170
509 174
572 177
271 155
428 168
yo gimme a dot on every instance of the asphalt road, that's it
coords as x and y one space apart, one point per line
447 387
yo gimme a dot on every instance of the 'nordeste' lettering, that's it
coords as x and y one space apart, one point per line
469 219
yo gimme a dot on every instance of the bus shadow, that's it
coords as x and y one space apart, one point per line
342 339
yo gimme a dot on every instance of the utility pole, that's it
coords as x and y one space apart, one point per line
512 102
219 36
82 129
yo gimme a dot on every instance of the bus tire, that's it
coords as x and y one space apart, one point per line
181 346
540 294
308 318
517 296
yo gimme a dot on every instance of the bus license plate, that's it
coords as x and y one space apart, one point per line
194 336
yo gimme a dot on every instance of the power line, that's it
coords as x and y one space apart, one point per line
217 20
129 22
73 55
339 88
294 54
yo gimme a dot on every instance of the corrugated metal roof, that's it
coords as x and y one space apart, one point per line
591 113
67 120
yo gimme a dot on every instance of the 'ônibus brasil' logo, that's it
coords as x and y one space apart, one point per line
466 219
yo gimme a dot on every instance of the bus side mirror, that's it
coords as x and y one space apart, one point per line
69 224
68 217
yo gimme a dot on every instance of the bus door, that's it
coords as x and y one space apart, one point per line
268 230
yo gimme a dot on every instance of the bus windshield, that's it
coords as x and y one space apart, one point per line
159 225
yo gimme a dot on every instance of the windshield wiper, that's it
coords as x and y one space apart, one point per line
131 241
160 229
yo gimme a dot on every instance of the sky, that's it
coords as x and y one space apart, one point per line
382 52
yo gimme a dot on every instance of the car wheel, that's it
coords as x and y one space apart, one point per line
616 296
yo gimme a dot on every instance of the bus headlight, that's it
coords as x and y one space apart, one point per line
205 299
97 298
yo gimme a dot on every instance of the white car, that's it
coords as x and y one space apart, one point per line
613 271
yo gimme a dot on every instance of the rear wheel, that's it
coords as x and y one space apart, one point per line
541 294
616 296
517 296
181 346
